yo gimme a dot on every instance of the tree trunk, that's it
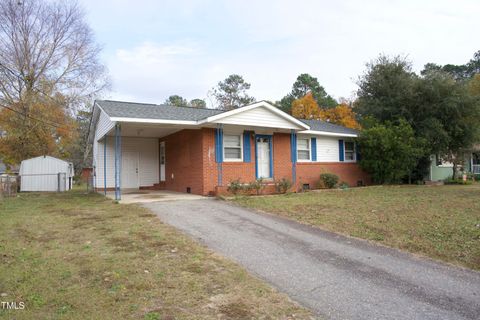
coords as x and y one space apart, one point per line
454 175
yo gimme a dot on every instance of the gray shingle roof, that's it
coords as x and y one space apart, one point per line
154 111
166 112
317 125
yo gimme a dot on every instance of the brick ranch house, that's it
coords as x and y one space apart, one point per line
201 151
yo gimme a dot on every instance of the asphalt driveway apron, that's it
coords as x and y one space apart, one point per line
337 277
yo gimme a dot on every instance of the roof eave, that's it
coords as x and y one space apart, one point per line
154 121
327 133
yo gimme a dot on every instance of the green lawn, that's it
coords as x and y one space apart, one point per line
441 222
78 256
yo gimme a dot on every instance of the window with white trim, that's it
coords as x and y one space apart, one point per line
303 149
232 147
349 151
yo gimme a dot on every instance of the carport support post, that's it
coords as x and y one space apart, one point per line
293 152
105 165
118 161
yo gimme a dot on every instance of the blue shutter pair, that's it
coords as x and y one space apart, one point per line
293 146
219 146
341 148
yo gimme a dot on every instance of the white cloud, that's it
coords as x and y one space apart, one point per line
185 48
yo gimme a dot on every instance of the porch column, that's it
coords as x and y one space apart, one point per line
105 165
118 161
293 152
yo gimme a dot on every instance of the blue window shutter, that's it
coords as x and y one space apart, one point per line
357 149
246 146
340 149
218 145
293 147
314 149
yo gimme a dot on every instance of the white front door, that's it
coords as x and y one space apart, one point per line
263 157
162 161
130 170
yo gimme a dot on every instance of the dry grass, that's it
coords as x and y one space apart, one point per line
441 222
77 256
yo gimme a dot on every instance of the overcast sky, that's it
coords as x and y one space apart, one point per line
154 49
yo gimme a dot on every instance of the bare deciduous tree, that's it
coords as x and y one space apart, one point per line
49 69
46 48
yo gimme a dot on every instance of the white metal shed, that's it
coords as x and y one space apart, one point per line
46 173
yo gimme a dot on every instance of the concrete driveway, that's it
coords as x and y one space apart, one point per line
146 196
335 276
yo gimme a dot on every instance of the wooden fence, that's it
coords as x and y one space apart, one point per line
8 186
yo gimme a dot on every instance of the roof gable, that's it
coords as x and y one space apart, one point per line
260 114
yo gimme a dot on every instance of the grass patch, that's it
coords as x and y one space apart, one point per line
441 222
79 256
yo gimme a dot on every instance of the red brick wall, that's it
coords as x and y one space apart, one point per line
308 172
245 171
282 161
184 161
209 165
190 156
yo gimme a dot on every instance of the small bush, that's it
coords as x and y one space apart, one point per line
343 185
283 185
256 185
328 180
470 176
456 181
235 186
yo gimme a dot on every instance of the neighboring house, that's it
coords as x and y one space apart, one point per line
202 150
46 173
11 170
440 170
473 161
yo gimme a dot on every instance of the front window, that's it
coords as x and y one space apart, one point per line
232 147
303 149
349 151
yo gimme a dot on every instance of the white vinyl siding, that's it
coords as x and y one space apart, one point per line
327 149
104 125
232 147
148 161
258 117
303 149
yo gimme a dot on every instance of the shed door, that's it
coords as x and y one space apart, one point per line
130 169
